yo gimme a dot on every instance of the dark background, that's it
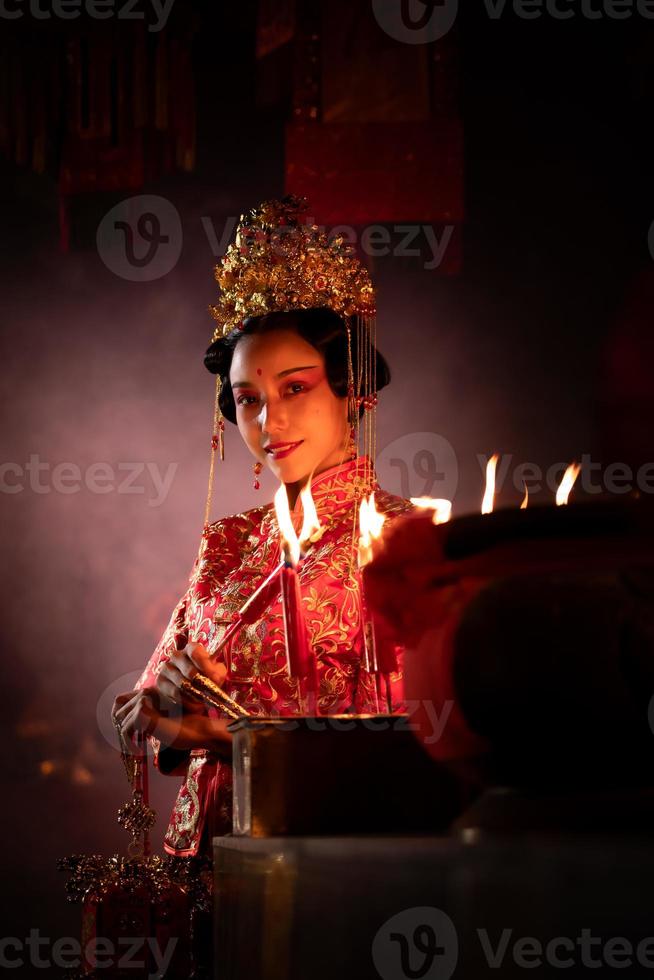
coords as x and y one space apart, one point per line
535 341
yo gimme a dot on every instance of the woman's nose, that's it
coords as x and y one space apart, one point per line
272 418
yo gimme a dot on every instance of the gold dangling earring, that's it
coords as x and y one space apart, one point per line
352 446
257 469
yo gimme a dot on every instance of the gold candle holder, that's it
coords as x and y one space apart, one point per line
204 689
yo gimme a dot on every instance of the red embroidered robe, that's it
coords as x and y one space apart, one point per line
236 554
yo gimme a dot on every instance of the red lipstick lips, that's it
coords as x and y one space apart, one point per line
278 450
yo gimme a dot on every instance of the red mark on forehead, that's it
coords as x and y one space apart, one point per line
258 370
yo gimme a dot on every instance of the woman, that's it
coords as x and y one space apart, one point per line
297 378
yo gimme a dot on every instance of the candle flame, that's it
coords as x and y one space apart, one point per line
290 543
442 508
294 546
489 492
371 523
525 499
567 483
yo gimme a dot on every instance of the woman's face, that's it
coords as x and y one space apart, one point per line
288 415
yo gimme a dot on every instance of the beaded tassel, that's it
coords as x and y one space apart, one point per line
217 445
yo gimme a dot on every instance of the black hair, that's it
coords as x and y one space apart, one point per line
319 326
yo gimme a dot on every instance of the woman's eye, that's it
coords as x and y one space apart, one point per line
294 388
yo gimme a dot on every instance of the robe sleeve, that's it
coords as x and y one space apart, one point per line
220 549
169 761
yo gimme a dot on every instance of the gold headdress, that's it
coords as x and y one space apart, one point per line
280 262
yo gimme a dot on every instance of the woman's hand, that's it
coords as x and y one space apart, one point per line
136 711
142 711
160 710
183 665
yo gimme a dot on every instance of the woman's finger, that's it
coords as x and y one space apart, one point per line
120 701
146 696
183 663
168 690
200 656
142 718
169 682
216 671
120 714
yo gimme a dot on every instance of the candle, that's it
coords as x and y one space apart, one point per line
255 606
294 628
300 659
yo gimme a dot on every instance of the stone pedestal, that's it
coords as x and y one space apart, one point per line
470 906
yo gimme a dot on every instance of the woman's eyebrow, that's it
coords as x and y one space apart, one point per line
305 367
282 374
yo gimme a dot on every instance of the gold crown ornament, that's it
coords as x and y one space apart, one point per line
278 262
